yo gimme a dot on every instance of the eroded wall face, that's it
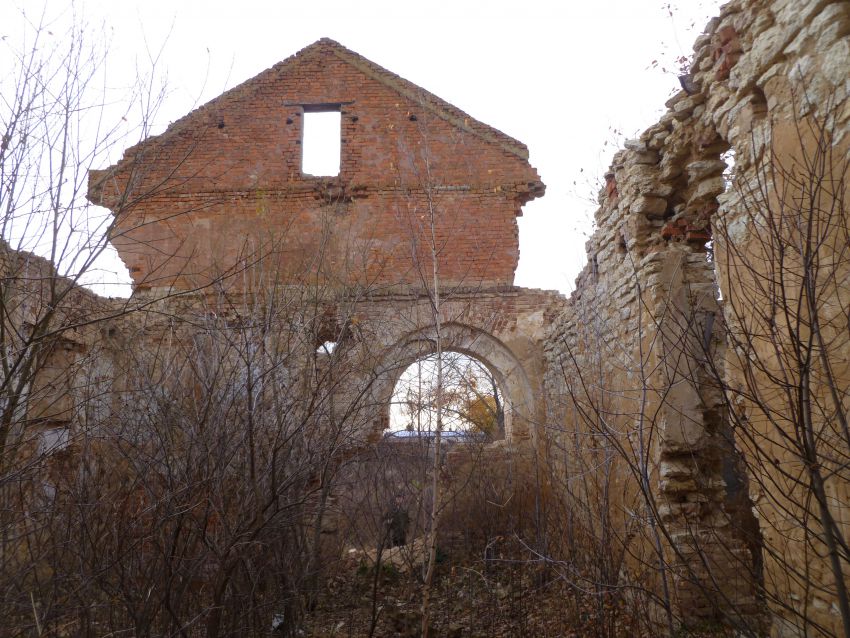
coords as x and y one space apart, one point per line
57 360
726 401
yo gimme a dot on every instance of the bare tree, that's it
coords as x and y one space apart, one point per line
770 379
782 255
56 121
164 488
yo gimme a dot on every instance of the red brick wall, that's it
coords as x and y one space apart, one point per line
229 176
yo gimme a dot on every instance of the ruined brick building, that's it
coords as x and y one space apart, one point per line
227 206
677 348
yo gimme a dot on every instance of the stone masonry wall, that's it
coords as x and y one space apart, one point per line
647 358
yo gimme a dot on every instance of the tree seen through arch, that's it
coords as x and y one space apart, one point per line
472 402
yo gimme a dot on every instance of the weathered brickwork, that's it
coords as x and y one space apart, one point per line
219 207
376 339
224 185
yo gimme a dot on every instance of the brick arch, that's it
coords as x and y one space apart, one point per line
503 364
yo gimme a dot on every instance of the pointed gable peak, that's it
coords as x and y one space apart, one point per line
324 47
411 91
321 43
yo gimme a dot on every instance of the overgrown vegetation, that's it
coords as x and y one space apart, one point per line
229 479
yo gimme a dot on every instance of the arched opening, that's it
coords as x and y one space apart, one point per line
454 393
486 408
518 403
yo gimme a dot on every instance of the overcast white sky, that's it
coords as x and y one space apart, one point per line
567 78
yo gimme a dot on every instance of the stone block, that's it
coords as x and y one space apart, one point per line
649 206
702 169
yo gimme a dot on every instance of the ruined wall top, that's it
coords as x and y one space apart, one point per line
713 194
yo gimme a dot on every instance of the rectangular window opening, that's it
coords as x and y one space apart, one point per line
54 439
321 143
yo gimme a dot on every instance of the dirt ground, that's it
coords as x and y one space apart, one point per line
472 597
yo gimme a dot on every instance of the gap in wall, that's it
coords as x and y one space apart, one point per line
321 143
